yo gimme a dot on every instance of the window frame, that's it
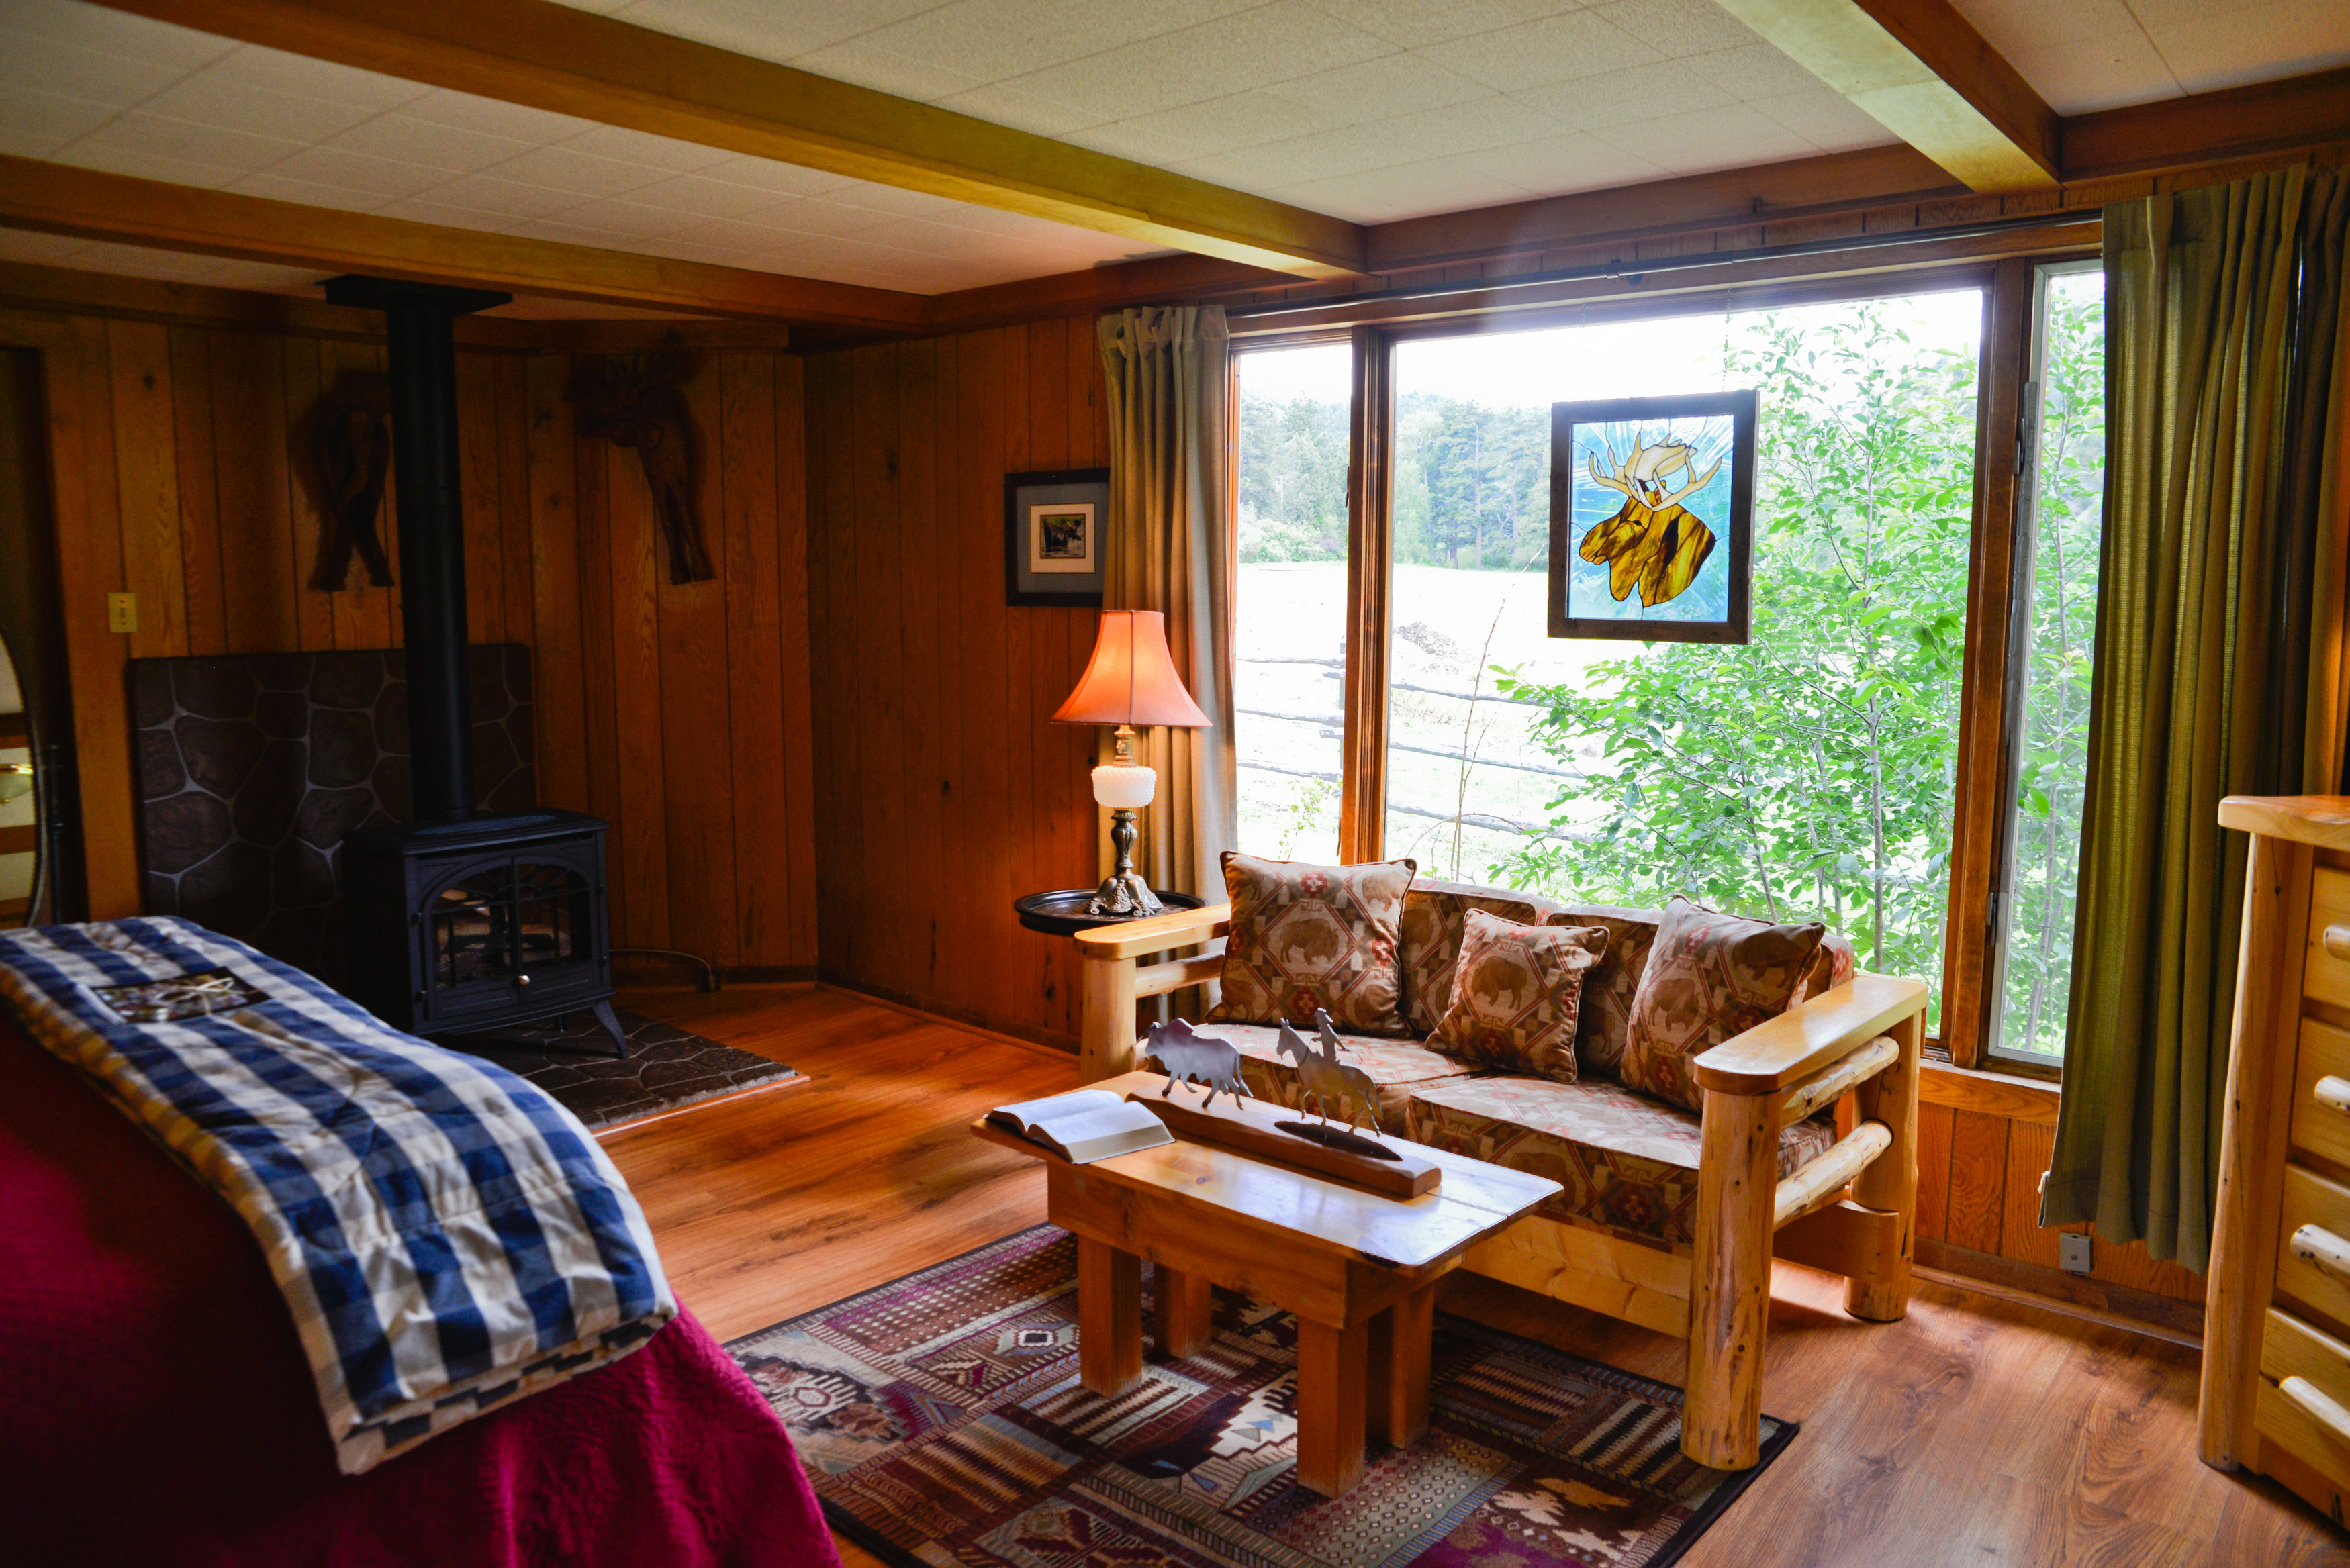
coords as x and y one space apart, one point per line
1989 692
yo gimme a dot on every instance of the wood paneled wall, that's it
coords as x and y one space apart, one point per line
1979 1192
679 712
944 791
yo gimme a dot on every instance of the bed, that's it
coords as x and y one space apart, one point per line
155 1406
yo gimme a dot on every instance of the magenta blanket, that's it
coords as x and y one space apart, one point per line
155 1407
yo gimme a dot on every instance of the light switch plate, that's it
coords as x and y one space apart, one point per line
122 613
2073 1251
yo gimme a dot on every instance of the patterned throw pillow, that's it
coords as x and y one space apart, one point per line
1305 936
1709 977
1608 990
1517 993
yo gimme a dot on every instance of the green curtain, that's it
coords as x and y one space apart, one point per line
2218 667
1169 547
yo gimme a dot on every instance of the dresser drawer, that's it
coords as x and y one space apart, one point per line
2325 969
2321 1092
2313 1243
2304 1404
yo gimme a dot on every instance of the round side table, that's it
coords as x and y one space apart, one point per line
1061 912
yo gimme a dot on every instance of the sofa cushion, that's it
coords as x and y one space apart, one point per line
1626 1163
1397 1066
1517 994
1315 937
1433 920
1710 976
1609 989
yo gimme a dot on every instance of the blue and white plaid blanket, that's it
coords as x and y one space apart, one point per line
448 1237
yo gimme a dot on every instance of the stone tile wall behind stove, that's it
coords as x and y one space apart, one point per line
251 769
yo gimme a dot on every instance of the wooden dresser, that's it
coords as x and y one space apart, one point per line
2276 1345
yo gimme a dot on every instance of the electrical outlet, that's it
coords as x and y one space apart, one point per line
2072 1251
122 613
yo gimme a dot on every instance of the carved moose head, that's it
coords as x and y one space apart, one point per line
633 400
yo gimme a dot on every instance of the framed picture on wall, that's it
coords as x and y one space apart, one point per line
1053 524
1651 517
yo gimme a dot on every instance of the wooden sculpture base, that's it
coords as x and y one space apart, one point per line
1250 1128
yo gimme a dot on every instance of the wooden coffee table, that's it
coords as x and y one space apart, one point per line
1357 1270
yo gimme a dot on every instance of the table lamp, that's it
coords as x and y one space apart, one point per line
1129 680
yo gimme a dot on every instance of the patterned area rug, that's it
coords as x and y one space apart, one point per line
667 1067
943 1422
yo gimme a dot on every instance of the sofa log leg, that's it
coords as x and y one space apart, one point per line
1730 1296
1106 1046
1890 1182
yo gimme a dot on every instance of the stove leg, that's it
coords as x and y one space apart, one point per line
604 1015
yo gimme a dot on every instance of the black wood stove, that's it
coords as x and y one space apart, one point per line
459 923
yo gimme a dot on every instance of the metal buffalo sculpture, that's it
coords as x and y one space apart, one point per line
1187 1056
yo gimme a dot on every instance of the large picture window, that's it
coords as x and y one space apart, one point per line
1812 771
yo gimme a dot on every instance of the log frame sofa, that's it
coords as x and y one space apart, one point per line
1850 1209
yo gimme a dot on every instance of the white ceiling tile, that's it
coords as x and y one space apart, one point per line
218 97
859 62
19 143
1217 125
1559 165
895 201
47 250
383 177
1710 139
665 154
593 235
629 218
1617 97
2288 38
307 192
1327 156
777 30
687 248
705 198
1435 185
558 168
51 67
487 195
1415 24
114 33
1826 118
792 222
2153 13
1000 103
1279 42
1750 71
1318 196
406 139
146 163
781 178
54 115
1679 29
275 70
139 131
1536 53
1375 89
2013 26
2108 70
463 111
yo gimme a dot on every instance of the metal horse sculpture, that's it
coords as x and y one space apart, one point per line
1322 1077
1188 1057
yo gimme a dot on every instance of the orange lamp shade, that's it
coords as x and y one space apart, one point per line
1131 679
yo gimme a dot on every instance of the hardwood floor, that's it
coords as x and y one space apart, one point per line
1979 1431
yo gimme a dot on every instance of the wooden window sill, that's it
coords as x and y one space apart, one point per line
1999 1094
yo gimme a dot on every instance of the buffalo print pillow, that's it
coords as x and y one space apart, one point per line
1308 937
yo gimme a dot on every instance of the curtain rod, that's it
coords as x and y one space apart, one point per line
1633 272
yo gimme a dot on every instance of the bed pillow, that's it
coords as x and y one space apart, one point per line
1708 977
1307 936
1517 994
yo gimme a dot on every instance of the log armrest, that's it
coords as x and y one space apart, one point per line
1112 983
1175 928
1778 1052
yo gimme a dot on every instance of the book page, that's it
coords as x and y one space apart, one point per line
1027 1116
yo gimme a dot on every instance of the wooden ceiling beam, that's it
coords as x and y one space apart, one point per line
554 58
59 199
2220 126
1920 69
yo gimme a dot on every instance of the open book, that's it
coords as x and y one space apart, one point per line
1085 1125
